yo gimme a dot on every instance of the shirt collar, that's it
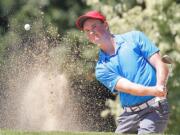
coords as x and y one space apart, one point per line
118 42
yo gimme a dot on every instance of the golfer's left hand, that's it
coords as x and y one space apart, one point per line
162 88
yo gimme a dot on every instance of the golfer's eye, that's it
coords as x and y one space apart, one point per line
93 26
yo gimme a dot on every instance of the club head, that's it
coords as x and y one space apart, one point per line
166 59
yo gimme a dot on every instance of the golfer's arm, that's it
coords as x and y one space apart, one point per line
124 85
161 69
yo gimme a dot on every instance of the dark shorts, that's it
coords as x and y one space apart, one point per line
152 119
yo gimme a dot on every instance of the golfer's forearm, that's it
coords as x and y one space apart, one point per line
141 90
124 85
161 69
162 72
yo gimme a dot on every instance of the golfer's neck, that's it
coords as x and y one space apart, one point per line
108 47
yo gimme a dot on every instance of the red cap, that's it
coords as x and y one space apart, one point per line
89 15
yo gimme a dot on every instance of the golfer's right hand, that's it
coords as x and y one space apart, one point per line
159 91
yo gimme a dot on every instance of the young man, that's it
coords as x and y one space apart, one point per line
130 65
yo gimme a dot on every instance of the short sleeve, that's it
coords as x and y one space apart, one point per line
107 77
147 47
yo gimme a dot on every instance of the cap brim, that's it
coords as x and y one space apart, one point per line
80 21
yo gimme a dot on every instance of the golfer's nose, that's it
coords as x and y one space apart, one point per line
92 32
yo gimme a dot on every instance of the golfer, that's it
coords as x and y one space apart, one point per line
130 65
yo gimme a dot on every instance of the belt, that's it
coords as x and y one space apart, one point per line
143 105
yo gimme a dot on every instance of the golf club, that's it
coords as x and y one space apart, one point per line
166 59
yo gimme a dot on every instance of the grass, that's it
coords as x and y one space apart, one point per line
13 132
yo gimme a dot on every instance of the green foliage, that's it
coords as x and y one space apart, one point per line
53 25
41 15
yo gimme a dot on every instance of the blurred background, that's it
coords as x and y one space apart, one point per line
47 79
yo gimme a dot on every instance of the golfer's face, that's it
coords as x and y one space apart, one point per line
94 30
